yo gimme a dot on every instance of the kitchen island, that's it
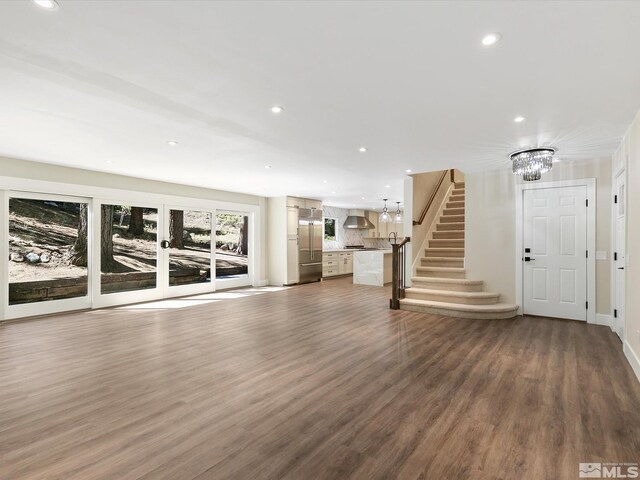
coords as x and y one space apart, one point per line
372 267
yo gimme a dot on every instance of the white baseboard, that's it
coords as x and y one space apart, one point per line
633 359
262 283
606 320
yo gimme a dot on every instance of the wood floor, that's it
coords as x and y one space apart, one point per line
320 381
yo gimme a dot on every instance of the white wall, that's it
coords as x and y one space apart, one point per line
490 225
632 302
56 173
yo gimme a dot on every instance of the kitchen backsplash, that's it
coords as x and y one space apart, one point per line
350 236
345 236
377 243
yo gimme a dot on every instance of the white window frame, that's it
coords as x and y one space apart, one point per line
225 283
49 306
97 196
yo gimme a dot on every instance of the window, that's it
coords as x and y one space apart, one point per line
232 245
128 248
330 229
48 240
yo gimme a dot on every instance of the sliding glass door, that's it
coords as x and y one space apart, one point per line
233 242
49 254
64 253
187 247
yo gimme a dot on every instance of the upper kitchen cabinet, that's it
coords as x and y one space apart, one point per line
373 218
304 203
383 230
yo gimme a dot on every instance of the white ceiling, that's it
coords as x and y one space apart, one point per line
100 81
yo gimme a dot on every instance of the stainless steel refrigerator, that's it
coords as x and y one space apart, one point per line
310 244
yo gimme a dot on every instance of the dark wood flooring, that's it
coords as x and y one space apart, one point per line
319 381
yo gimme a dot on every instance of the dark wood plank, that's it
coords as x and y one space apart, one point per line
320 381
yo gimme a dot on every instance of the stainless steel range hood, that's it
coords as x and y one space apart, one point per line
356 219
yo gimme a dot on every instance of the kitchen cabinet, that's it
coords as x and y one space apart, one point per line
282 238
373 218
295 202
337 263
345 263
382 230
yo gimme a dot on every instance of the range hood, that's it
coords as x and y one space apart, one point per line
356 219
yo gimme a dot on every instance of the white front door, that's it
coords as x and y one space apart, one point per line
619 255
555 252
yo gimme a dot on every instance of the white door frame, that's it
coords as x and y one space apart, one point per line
616 322
590 183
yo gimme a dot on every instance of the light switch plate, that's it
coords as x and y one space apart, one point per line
601 255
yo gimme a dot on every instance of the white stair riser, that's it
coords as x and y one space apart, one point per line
451 287
464 300
459 314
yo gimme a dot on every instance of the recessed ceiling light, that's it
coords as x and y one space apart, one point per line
362 198
408 170
387 186
491 39
519 119
108 161
324 181
47 4
363 149
334 192
277 109
173 143
268 167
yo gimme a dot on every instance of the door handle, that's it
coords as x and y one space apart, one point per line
165 244
528 259
620 268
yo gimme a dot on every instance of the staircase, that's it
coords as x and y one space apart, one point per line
440 286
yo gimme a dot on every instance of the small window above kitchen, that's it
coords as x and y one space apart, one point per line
330 228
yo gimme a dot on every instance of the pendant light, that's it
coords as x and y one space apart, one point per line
531 163
384 216
398 217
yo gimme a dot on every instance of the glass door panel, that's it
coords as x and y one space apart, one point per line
232 245
48 249
189 247
128 248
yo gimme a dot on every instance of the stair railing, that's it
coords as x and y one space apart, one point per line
433 195
398 281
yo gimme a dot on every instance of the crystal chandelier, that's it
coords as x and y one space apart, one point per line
398 217
384 216
532 162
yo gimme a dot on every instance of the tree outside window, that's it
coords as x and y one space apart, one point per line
330 229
